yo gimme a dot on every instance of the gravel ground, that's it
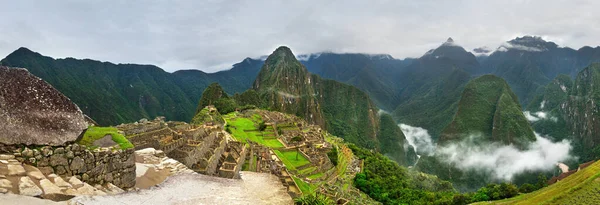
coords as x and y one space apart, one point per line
184 189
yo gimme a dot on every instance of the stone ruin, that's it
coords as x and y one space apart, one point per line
39 127
205 148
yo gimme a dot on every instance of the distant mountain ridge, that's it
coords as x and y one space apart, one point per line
118 93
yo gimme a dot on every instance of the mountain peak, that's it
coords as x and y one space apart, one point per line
23 51
449 42
281 54
528 43
283 50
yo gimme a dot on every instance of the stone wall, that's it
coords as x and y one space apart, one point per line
97 166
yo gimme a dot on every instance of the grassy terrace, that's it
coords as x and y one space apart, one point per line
579 188
95 133
306 188
289 159
244 129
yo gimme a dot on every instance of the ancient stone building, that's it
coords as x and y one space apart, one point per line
203 148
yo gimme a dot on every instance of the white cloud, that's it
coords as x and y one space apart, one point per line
540 115
505 161
419 138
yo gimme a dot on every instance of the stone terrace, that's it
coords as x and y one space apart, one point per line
203 148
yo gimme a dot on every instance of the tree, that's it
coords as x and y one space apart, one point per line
526 188
542 181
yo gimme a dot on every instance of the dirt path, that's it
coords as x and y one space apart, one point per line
184 189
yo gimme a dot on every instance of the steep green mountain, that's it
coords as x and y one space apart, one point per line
580 112
430 87
547 110
489 108
373 74
216 96
433 106
117 93
285 85
529 63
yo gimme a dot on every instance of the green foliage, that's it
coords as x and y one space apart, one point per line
495 192
333 156
389 183
95 133
216 96
248 97
392 140
433 106
313 199
527 187
489 108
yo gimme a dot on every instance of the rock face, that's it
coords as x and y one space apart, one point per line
33 112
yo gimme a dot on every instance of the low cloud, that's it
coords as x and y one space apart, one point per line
505 161
419 138
537 116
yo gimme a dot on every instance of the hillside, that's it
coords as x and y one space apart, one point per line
285 85
546 109
373 74
580 112
430 87
579 188
117 93
489 108
529 63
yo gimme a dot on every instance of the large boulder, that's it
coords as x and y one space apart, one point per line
33 112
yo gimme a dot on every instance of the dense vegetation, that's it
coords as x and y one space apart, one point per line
118 93
489 108
389 183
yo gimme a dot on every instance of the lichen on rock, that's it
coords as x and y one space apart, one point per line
34 112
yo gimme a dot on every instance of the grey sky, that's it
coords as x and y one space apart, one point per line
212 35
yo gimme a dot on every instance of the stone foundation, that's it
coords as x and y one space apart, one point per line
97 166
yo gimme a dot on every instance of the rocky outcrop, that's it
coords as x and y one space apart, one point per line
33 112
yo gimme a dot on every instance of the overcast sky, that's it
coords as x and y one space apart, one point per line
212 35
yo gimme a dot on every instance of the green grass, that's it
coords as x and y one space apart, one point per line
95 133
243 129
273 143
307 170
315 176
289 159
577 187
306 188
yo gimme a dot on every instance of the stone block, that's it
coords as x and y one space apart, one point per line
28 188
